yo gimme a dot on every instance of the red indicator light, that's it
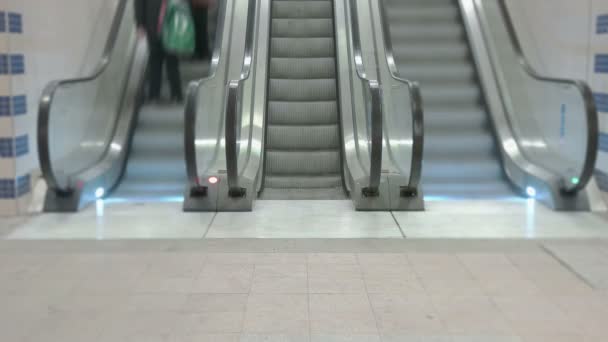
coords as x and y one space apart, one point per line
213 180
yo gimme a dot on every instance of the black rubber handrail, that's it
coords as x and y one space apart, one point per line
416 107
232 108
48 94
192 104
377 111
590 108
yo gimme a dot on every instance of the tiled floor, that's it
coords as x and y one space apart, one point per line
313 219
132 293
163 275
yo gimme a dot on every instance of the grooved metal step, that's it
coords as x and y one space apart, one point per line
302 159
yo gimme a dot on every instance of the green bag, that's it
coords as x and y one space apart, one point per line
177 33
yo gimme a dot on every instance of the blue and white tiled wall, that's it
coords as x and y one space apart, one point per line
599 82
14 145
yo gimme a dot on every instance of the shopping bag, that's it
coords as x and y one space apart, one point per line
177 28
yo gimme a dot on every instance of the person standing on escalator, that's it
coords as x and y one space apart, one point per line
200 9
148 15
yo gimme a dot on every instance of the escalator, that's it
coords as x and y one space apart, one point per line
494 128
155 169
303 148
291 112
97 139
461 157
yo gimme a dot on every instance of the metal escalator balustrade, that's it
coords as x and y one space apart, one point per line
85 124
303 156
492 122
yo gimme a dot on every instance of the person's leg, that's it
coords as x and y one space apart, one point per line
202 39
175 79
156 69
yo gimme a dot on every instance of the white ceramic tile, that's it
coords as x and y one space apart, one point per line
117 221
304 219
499 219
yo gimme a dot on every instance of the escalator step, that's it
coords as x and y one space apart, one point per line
302 28
303 163
302 113
302 9
302 47
303 68
302 90
303 137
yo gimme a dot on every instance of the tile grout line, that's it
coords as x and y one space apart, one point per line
369 300
209 226
567 266
308 302
398 225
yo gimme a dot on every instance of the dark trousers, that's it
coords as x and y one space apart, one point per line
202 40
158 57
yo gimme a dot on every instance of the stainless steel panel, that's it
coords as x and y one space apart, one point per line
527 112
84 124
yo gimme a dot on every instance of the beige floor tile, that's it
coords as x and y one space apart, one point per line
435 261
283 314
92 303
175 265
231 258
280 258
398 314
210 322
204 337
229 278
471 315
336 313
332 258
505 282
382 259
16 326
394 284
336 284
553 338
556 280
280 278
484 259
533 259
344 338
24 304
388 270
416 338
275 338
108 283
485 338
451 285
155 302
335 278
157 284
217 302
535 315
64 326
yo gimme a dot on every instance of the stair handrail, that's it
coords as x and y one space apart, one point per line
377 111
48 94
416 106
232 106
588 100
